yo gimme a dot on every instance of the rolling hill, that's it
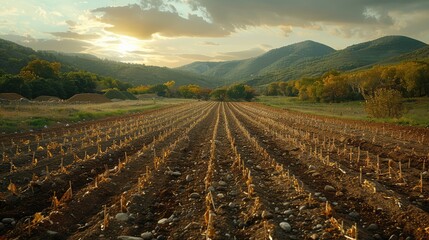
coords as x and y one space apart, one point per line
270 61
13 57
307 59
304 59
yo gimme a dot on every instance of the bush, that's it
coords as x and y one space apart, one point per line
385 103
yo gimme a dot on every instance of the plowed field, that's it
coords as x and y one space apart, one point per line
207 170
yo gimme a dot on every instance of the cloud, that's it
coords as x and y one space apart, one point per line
71 23
208 43
225 56
220 18
361 15
73 35
196 57
253 52
66 45
142 23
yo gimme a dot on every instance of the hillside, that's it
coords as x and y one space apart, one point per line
270 61
312 59
13 57
353 57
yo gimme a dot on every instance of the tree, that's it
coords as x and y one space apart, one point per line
385 103
84 81
335 89
41 69
159 89
41 87
236 92
250 93
15 84
273 89
218 94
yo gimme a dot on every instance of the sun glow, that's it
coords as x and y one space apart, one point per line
126 45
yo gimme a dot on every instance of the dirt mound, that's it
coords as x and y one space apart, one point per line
88 98
116 94
10 96
47 99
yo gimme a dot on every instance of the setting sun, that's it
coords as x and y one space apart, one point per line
126 45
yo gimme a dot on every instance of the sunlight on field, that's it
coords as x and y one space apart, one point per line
416 109
25 116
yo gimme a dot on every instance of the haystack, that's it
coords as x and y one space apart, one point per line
10 96
88 98
47 99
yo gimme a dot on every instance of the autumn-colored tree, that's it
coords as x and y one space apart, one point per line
385 103
41 69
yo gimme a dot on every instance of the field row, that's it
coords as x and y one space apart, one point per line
216 171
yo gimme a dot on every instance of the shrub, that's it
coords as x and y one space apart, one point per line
385 103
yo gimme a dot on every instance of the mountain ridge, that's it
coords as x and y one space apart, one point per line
381 50
13 57
303 59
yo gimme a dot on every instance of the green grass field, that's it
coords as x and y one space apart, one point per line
416 110
17 117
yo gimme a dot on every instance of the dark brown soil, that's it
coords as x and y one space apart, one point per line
217 171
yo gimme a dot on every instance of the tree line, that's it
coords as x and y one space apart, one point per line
41 77
410 79
234 92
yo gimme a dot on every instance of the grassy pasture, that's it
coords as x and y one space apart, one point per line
16 117
416 109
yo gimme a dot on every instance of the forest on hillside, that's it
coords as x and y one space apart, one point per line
411 79
41 77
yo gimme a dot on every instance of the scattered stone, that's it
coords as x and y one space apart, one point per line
220 195
311 167
354 215
318 226
317 194
123 217
194 195
232 205
129 238
285 226
314 236
146 235
377 237
51 233
176 174
222 183
8 220
303 207
163 221
323 199
288 212
266 215
329 188
188 178
372 227
211 189
393 237
233 193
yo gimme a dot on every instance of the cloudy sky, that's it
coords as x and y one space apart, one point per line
176 32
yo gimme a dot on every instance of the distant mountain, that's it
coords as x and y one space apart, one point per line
136 74
421 53
14 57
270 61
304 59
308 59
